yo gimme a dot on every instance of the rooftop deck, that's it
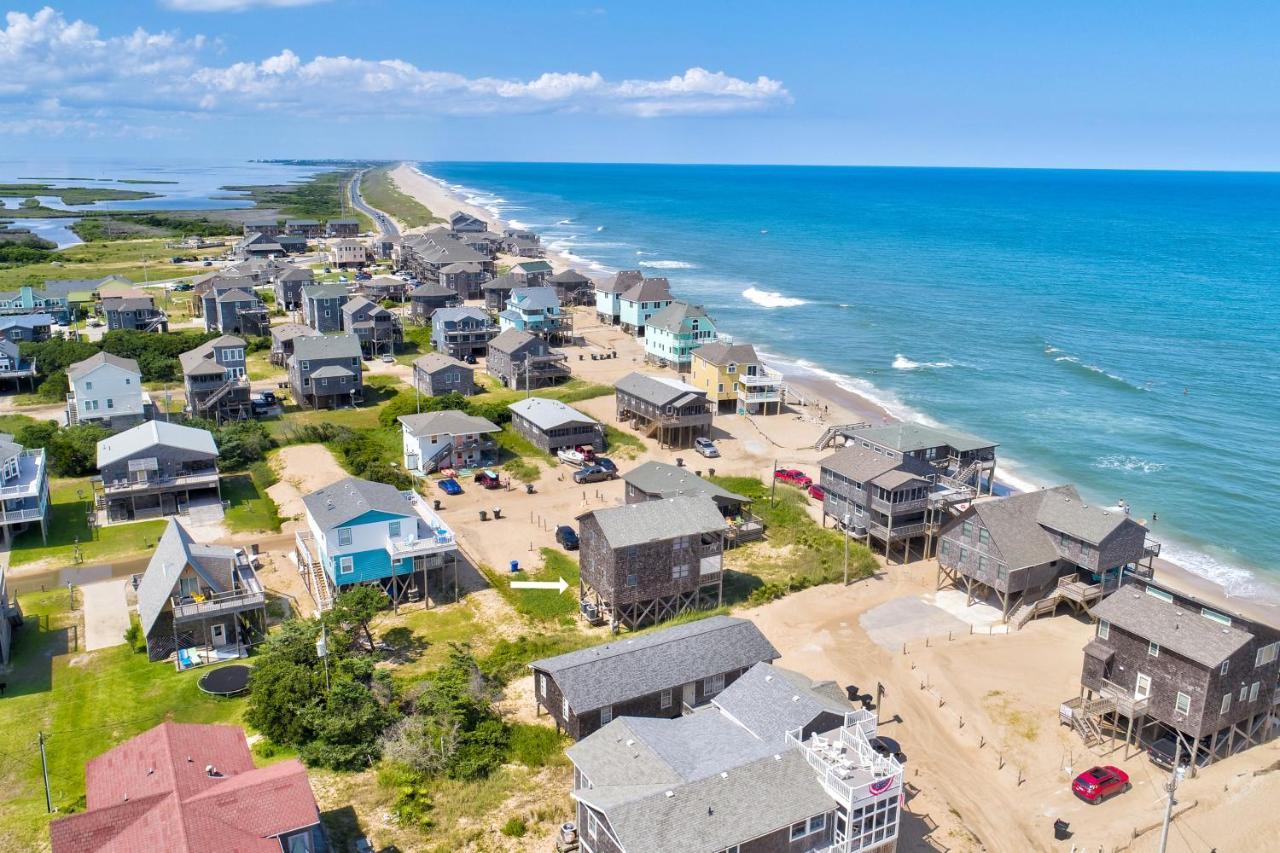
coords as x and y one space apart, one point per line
193 480
431 536
31 478
248 594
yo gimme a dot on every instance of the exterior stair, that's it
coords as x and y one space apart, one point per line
830 433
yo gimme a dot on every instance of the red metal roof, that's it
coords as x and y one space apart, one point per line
153 792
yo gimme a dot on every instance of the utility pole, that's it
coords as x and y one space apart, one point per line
773 485
1171 787
846 549
44 766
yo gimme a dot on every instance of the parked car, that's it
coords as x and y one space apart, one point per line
268 397
566 538
606 464
794 477
706 447
183 287
470 359
207 264
450 486
488 480
593 474
1098 783
817 493
1162 752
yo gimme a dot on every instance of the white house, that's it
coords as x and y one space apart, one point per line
447 439
347 253
107 389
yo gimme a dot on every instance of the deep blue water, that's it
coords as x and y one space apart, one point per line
1117 330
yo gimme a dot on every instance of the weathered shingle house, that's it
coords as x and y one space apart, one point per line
215 377
552 425
383 287
462 332
209 286
377 328
608 294
425 255
435 374
322 307
641 301
498 290
282 338
964 460
734 377
535 310
572 287
261 225
464 223
14 367
24 481
107 389
199 602
311 229
1045 546
292 244
660 407
361 532
155 469
189 788
663 673
1167 664
258 245
655 481
235 312
672 335
464 279
646 562
135 313
776 763
531 273
326 372
288 285
342 228
425 299
447 439
521 360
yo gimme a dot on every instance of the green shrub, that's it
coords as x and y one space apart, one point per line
514 827
535 746
134 637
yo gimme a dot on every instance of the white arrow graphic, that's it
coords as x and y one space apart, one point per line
558 585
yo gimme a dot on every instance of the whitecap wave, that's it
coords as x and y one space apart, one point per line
669 265
1235 580
565 222
771 298
1121 462
1077 363
599 227
901 362
516 223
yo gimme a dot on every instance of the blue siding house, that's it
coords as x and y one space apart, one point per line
362 532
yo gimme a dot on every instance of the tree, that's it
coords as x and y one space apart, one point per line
73 452
357 607
345 728
286 678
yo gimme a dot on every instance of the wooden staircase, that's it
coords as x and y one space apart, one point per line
1085 717
314 577
830 433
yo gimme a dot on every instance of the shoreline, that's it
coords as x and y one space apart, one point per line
830 393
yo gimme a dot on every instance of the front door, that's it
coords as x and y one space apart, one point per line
1142 689
218 635
690 694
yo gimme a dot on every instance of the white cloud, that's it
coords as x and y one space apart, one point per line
46 58
234 5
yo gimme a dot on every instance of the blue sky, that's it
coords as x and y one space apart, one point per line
1089 84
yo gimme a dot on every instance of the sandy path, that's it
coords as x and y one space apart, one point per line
302 469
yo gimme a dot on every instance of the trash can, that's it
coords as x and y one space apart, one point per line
528 488
497 512
679 461
515 565
1061 830
711 472
484 516
435 504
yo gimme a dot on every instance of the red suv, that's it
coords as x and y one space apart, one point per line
1098 783
817 493
793 476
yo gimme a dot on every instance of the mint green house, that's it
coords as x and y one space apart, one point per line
671 335
362 532
642 301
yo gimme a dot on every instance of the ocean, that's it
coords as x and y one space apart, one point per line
1116 330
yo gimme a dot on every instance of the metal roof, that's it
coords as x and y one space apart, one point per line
656 521
151 434
548 414
1171 625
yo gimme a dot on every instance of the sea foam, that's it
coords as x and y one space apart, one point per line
669 265
771 298
901 362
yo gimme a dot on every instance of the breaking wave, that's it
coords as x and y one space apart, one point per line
901 362
1119 462
669 265
771 298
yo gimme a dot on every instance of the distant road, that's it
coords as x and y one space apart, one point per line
386 225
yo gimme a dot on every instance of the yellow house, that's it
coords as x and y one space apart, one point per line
735 380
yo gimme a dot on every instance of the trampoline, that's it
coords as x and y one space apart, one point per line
226 681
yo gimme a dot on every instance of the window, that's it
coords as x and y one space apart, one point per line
632 580
817 823
1226 703
1267 654
664 699
1104 629
306 365
188 587
542 685
346 565
128 381
798 830
1156 592
712 685
393 528
983 536
1153 649
681 571
344 535
1223 669
564 708
968 529
1253 691
1215 616
606 715
1244 692
1182 704
111 404
88 386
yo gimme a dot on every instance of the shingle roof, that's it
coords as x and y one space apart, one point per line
534 297
569 276
506 281
332 371
548 414
659 478
1071 515
447 422
346 499
462 267
510 340
324 291
433 362
649 290
620 283
291 272
658 390
151 434
770 701
614 672
174 552
201 358
721 353
152 792
1171 625
907 437
326 346
672 317
863 464
289 331
457 312
80 368
655 521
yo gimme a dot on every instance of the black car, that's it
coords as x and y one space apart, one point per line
566 538
1162 752
606 464
470 359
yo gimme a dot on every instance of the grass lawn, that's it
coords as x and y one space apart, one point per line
517 445
85 704
381 192
251 507
134 259
622 444
544 605
12 423
66 523
417 343
259 366
570 392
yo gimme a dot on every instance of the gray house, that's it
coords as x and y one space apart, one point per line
342 228
462 332
963 460
322 307
498 290
572 287
435 374
673 412
466 223
552 425
235 312
200 602
325 371
136 313
1166 664
156 469
288 285
377 328
310 229
646 562
464 278
215 379
13 366
282 338
776 763
268 227
1046 546
425 299
658 674
521 360
655 481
